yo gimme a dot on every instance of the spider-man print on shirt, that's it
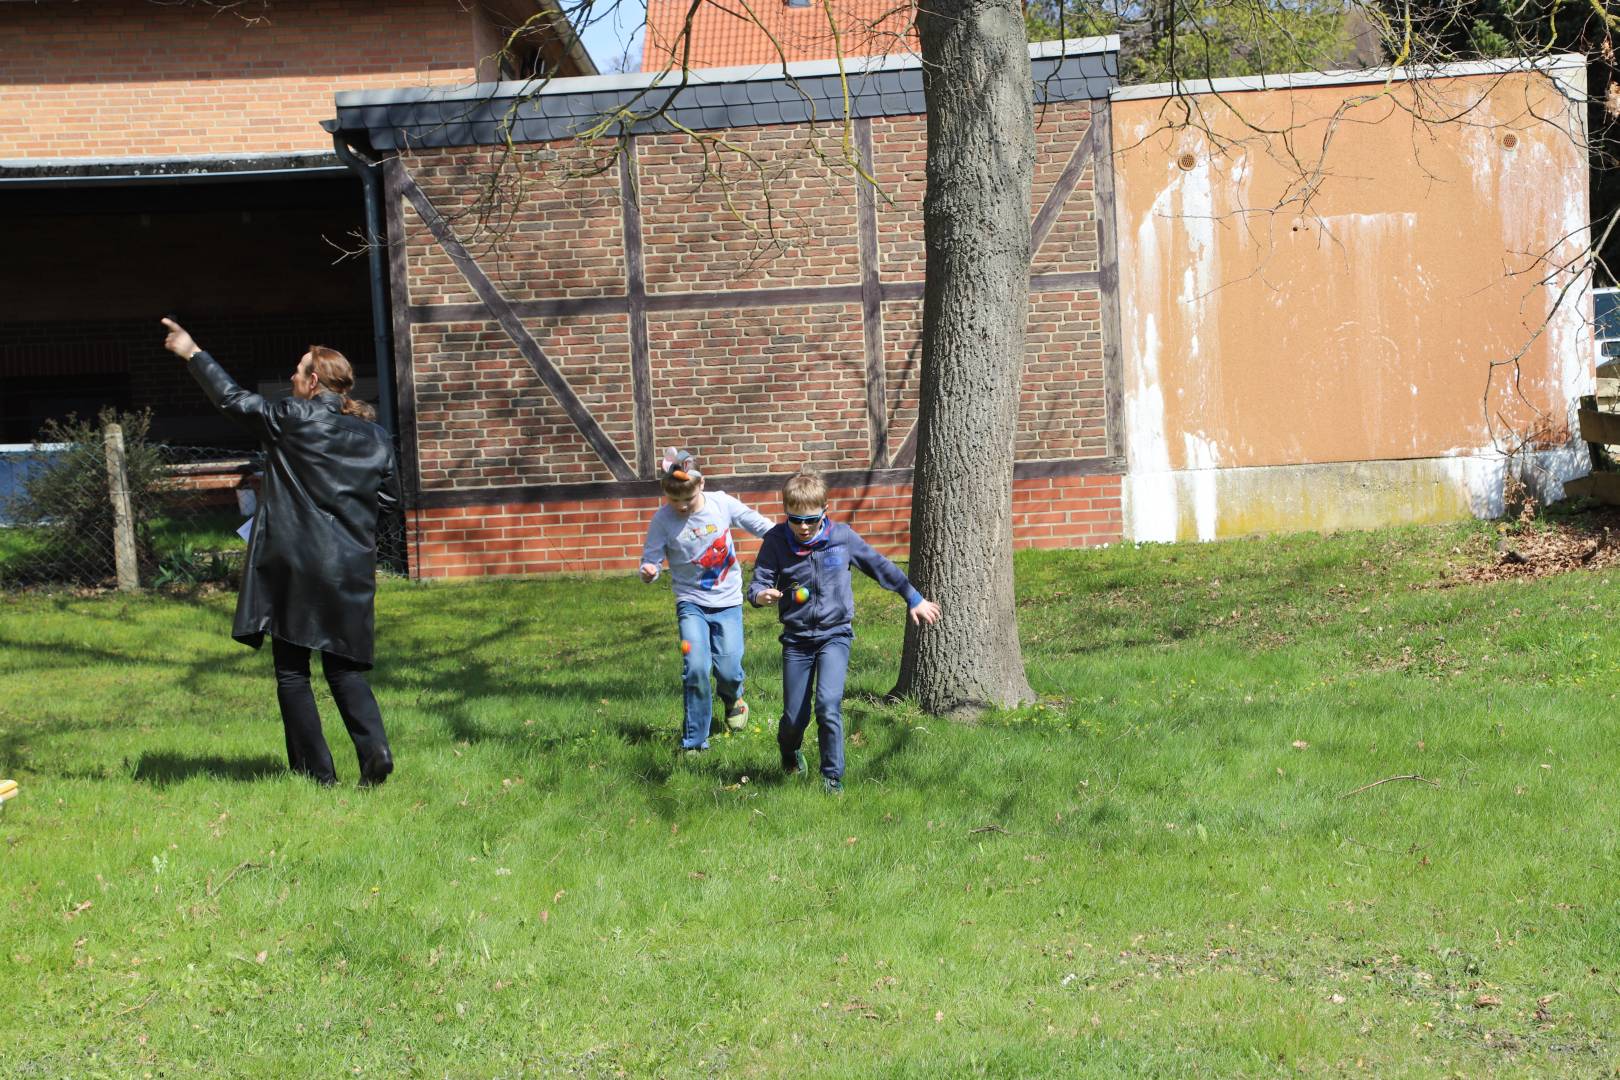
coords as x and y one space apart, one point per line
717 560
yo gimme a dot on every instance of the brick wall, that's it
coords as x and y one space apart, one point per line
553 230
771 207
115 78
1060 413
763 390
900 153
484 418
605 535
756 388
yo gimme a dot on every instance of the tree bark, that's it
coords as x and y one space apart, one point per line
976 212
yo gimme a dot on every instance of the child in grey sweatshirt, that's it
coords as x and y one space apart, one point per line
692 532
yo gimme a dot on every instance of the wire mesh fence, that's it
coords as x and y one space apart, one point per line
91 510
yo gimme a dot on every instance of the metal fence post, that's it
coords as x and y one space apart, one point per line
129 577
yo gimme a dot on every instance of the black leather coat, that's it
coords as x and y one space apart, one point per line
310 575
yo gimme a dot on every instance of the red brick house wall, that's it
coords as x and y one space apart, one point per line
117 78
586 535
773 32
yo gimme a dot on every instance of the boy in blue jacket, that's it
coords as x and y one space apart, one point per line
803 568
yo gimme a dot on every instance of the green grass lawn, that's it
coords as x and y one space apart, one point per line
1164 869
184 538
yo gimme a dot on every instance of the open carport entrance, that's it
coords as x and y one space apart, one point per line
259 259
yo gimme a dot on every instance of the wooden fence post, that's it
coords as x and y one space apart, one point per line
129 577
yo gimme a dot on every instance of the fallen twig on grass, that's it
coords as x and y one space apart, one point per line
213 890
1388 779
1601 543
136 1007
1413 850
989 828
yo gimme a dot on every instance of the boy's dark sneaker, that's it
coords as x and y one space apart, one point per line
794 766
832 785
737 715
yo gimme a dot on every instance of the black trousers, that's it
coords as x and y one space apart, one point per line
307 752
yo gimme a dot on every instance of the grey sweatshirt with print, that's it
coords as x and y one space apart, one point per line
702 558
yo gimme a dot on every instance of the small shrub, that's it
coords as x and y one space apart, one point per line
187 568
68 505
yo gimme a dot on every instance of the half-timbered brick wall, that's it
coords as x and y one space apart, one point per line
747 293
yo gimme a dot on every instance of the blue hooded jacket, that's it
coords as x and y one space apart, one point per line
821 567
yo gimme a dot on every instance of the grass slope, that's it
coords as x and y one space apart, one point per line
1155 871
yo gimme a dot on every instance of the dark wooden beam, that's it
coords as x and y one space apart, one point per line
906 456
802 296
1108 273
877 423
399 289
636 298
1058 197
512 323
1093 466
1077 281
752 483
902 290
527 309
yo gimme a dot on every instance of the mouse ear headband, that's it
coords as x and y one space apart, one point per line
679 465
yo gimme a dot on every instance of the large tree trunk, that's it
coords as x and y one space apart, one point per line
981 159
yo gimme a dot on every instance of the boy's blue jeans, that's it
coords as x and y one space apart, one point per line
826 663
716 634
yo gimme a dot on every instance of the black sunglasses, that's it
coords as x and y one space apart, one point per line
806 519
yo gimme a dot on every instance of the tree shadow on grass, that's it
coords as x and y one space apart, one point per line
573 676
460 682
163 768
631 732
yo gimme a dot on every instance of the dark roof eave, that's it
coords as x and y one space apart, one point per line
211 168
490 113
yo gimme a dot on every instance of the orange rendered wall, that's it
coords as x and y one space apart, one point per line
1329 274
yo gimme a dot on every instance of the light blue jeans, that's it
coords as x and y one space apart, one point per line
716 637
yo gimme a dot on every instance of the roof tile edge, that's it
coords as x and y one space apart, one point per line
1548 65
585 84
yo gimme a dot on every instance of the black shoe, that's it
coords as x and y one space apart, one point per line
375 769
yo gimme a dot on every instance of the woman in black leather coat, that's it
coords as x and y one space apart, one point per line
309 581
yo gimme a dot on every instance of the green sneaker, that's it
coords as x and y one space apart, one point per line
737 715
794 766
832 785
